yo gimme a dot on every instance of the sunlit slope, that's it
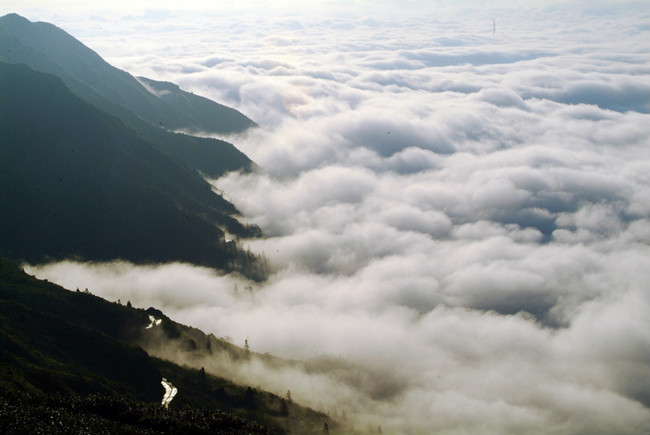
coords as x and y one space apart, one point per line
75 182
47 48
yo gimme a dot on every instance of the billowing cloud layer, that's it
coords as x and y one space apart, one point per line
458 221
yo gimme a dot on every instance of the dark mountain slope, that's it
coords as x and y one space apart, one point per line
73 343
47 48
49 343
206 115
55 51
76 182
57 347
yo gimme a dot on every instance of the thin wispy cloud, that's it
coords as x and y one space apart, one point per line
461 217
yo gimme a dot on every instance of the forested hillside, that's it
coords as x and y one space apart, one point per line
70 355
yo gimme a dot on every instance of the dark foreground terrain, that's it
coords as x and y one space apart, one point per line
70 363
101 414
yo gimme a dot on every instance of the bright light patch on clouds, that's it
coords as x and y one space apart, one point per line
464 217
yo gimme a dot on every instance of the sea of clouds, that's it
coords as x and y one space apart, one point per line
456 201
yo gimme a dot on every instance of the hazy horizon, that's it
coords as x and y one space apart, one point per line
461 212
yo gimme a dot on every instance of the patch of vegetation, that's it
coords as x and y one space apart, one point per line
102 414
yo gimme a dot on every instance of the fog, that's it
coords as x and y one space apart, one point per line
457 223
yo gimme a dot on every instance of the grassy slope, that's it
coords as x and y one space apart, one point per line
58 342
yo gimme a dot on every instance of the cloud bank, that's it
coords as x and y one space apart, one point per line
458 222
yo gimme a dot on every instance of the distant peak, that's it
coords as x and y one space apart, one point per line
15 18
15 23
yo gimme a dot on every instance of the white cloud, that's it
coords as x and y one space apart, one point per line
460 215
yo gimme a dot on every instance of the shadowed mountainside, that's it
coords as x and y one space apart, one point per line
75 182
205 116
154 115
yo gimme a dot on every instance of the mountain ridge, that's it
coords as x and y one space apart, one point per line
76 182
49 49
80 66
